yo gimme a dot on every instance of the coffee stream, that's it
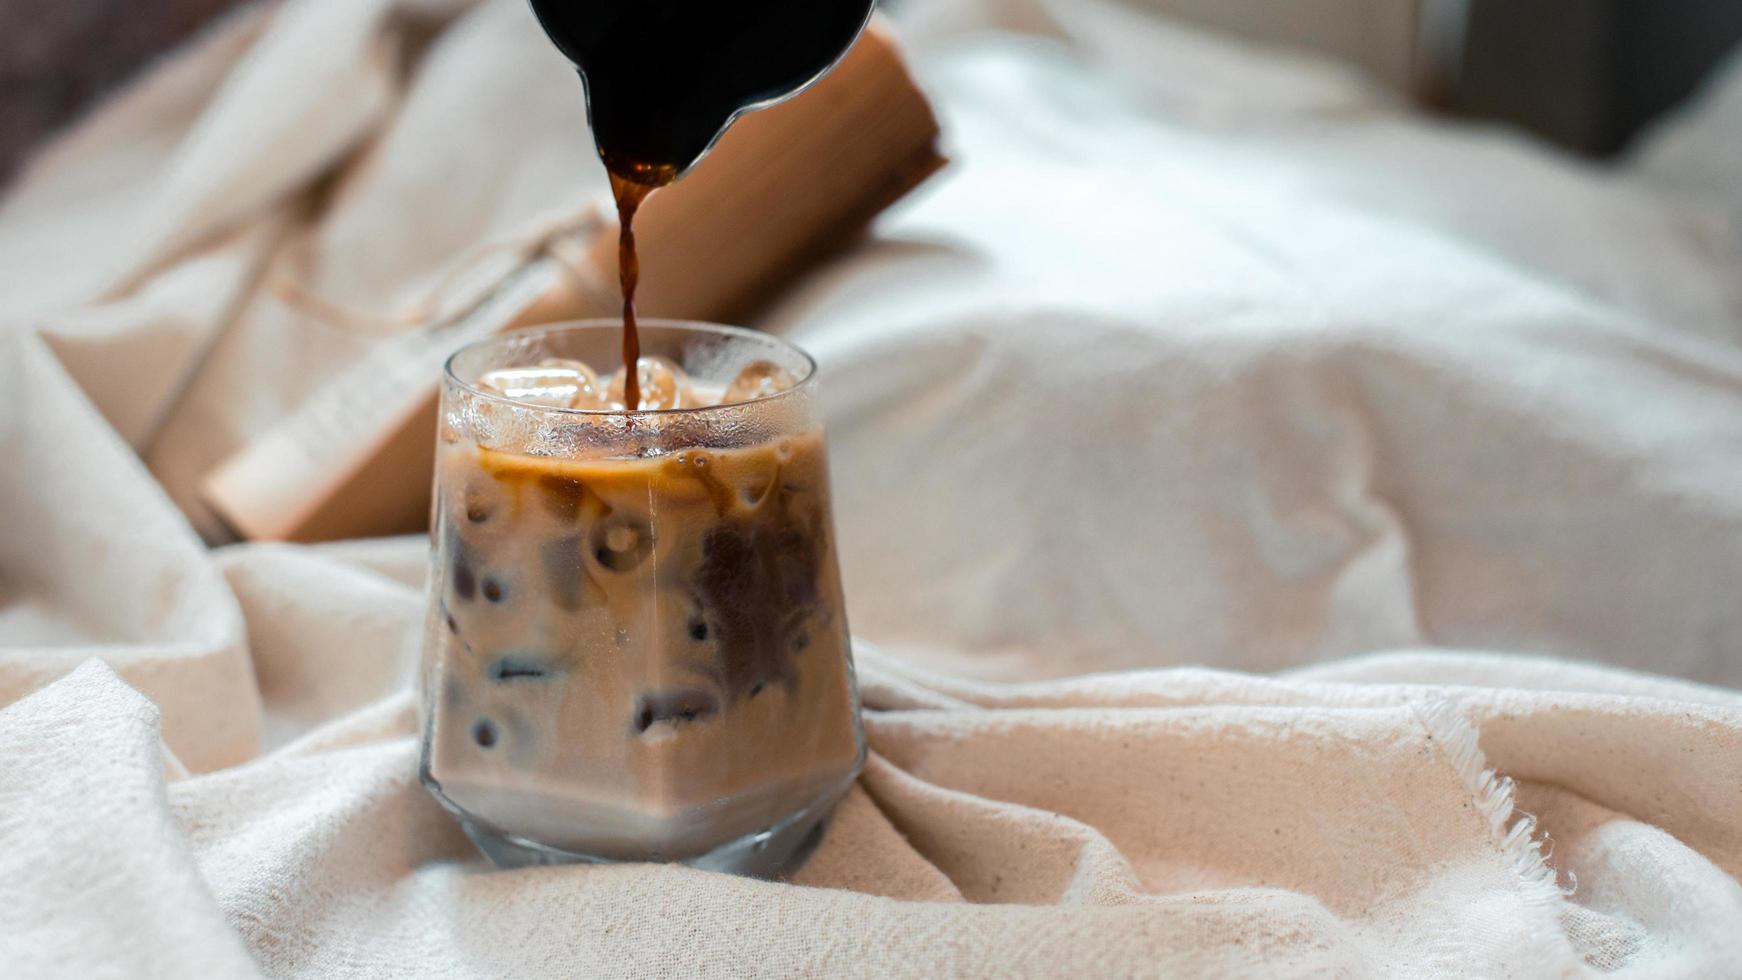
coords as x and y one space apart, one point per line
664 80
629 195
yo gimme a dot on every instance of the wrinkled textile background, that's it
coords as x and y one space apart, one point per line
1285 535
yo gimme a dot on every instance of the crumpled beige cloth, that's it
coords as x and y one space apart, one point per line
1324 391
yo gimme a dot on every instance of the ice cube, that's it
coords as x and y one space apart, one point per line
591 393
663 385
759 379
569 384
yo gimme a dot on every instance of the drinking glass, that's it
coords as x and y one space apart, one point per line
636 646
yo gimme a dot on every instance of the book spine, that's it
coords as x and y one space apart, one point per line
279 486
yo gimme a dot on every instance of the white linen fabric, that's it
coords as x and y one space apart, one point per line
1260 499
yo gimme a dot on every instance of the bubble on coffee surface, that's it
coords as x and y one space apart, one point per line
759 379
663 385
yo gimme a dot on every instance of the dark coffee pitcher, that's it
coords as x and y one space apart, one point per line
664 78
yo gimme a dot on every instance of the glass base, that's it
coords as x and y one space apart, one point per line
766 853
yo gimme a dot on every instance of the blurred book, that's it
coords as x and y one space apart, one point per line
783 187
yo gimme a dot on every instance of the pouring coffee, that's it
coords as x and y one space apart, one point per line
664 80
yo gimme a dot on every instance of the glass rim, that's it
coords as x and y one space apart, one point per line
804 383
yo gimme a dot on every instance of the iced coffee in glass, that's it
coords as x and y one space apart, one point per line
636 646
